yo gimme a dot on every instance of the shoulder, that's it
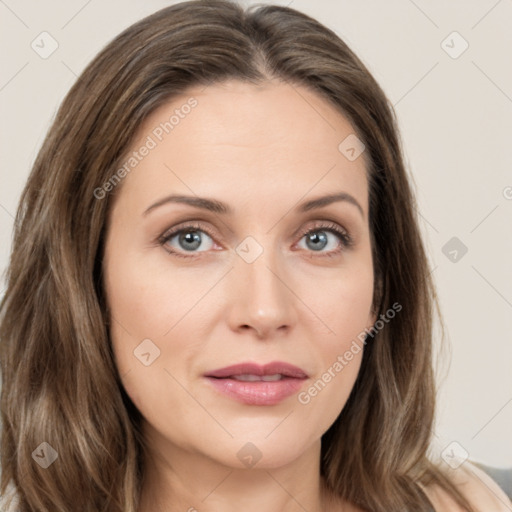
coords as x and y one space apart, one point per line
482 492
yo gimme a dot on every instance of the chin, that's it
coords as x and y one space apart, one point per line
264 452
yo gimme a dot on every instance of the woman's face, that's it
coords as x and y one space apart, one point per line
246 284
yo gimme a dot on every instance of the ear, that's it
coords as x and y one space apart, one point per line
376 300
372 318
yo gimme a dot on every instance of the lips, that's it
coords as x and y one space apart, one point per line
274 368
252 384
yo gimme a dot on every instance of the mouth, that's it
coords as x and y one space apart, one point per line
252 384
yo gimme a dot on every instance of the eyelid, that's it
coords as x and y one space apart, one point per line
191 225
330 226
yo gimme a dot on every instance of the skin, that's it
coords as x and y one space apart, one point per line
262 150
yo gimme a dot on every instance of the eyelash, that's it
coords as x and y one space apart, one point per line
346 240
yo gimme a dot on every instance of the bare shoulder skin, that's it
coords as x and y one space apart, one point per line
482 491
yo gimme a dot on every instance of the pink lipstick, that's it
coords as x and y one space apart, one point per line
253 384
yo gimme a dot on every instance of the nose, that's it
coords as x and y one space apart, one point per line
262 297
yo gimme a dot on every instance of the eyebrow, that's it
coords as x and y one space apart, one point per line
215 206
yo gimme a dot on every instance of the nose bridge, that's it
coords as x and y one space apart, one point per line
263 299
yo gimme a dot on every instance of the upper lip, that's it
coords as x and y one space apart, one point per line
285 369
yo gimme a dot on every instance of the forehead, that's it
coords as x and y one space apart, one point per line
245 144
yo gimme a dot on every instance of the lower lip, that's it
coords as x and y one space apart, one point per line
259 392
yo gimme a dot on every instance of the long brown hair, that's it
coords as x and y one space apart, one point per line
59 381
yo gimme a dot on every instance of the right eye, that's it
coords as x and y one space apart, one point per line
188 238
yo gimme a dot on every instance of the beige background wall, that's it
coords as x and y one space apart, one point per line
455 111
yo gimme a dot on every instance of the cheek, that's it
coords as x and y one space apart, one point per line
154 326
137 302
342 303
146 304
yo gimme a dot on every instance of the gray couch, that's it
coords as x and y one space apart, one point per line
503 477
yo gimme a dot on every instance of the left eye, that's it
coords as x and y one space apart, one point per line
317 240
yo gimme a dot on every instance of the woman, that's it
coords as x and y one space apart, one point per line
218 295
